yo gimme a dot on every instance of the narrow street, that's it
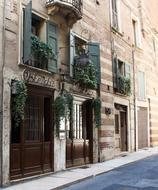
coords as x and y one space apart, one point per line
140 175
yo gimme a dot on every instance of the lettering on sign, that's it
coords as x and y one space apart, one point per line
36 78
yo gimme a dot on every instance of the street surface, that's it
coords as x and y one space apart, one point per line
141 175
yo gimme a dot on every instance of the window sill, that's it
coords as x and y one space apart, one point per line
116 31
141 99
137 48
120 94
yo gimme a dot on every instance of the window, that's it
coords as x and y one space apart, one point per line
77 126
43 33
76 130
136 33
115 14
38 26
121 76
79 46
121 68
141 85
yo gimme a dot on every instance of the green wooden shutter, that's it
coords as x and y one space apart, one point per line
127 70
72 52
52 33
115 70
27 32
94 52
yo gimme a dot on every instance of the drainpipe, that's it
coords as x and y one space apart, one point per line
2 82
134 96
112 45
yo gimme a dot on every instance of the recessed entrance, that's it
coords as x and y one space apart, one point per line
32 142
120 128
79 147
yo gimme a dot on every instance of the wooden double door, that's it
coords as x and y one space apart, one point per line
32 142
79 142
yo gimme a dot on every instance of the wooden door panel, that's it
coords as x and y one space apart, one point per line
79 145
69 153
87 151
32 158
78 152
15 161
32 155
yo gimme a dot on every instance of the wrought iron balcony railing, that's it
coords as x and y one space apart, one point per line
66 6
75 3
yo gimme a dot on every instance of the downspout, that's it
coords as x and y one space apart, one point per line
134 97
2 81
112 49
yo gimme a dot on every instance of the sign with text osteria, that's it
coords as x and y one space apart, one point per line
36 78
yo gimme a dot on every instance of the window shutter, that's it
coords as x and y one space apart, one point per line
127 70
141 85
115 70
27 32
72 51
94 52
52 33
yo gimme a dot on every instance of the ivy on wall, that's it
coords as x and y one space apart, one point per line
63 107
18 101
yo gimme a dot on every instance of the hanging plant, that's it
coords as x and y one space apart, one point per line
85 73
41 48
18 100
41 51
97 111
63 106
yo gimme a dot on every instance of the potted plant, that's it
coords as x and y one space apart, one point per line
124 85
41 53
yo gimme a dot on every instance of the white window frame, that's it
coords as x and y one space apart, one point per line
118 16
137 42
140 86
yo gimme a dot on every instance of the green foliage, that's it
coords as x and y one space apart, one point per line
86 75
18 101
124 85
41 49
63 106
97 111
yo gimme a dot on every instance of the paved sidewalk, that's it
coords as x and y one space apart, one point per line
65 178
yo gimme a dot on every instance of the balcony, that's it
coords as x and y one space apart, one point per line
71 10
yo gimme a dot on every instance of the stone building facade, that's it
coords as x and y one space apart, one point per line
45 47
